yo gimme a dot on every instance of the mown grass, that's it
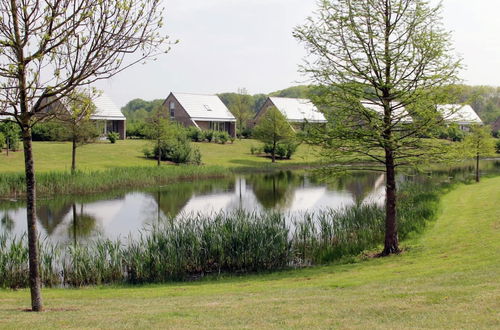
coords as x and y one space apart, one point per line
447 278
56 156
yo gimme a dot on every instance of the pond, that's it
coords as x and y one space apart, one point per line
68 219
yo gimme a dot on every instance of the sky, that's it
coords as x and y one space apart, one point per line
225 45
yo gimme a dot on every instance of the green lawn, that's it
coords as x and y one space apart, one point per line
56 156
448 278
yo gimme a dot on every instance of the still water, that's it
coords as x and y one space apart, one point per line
67 219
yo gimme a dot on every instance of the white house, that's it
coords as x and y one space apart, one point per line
206 112
108 113
462 115
296 111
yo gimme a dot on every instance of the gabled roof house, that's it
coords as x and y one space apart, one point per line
206 112
296 111
110 114
462 115
399 113
106 112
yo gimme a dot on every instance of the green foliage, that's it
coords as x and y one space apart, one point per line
50 131
478 143
497 146
138 110
113 136
175 146
2 141
284 150
12 133
272 129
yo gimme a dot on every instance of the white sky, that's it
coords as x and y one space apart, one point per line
228 44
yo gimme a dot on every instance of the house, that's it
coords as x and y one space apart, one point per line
399 114
495 127
297 111
206 112
110 115
107 114
462 115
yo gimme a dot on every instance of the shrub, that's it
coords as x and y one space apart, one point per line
113 136
176 148
50 131
245 133
497 147
195 134
210 135
284 150
223 137
255 150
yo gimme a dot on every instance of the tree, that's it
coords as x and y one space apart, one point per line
81 130
242 109
50 48
379 64
477 144
158 128
272 129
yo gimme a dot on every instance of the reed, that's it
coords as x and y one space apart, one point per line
192 246
52 183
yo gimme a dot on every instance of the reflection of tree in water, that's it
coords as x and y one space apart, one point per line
173 198
276 189
7 223
82 224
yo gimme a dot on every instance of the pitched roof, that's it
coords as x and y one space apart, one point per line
400 113
458 113
204 107
298 110
106 109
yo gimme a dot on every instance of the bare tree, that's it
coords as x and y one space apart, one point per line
49 48
380 63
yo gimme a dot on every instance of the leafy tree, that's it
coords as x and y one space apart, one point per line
50 48
241 108
373 59
76 118
477 144
272 129
157 128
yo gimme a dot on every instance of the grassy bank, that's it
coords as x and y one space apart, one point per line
448 278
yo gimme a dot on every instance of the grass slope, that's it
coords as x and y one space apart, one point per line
56 156
448 278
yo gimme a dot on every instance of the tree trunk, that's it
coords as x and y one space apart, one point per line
477 168
391 244
273 155
73 156
34 268
159 153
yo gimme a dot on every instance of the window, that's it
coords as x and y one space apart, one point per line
172 109
207 107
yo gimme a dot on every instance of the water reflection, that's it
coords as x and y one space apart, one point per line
75 219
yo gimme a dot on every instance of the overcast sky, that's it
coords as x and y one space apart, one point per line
228 44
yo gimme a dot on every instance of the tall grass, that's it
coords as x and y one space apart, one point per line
237 242
52 183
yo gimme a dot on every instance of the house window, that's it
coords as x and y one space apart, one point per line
207 107
172 109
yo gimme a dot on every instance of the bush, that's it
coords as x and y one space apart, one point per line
284 150
245 133
254 150
223 137
113 136
210 135
136 131
497 147
195 134
176 148
50 131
